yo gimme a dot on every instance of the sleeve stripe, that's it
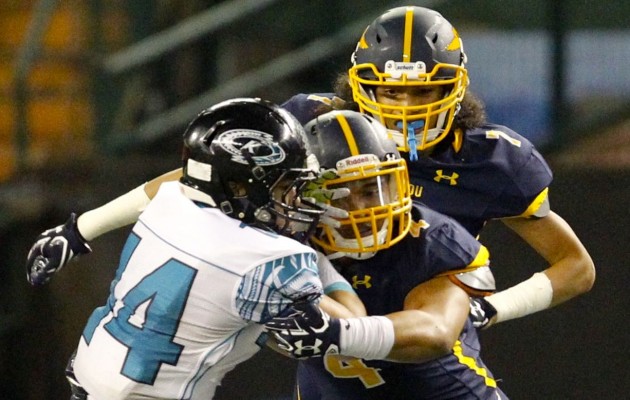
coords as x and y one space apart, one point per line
482 259
535 205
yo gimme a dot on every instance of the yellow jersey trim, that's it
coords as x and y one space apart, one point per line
470 363
535 205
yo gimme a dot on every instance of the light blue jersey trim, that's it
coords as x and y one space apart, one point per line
342 286
270 287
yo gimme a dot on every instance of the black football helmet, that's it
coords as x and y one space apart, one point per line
410 47
246 156
355 152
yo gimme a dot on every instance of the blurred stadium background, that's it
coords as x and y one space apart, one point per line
94 95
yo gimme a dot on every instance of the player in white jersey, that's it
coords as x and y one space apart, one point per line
211 258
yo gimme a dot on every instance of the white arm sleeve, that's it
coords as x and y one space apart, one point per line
526 298
119 212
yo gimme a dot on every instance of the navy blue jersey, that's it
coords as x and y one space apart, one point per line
437 245
460 375
485 173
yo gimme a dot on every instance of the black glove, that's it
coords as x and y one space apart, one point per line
481 312
303 330
53 249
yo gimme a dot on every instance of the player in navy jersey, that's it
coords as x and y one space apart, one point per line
409 71
405 262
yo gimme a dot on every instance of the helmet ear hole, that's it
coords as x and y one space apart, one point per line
238 189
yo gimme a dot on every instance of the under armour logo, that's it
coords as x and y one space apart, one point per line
307 350
476 310
366 281
439 175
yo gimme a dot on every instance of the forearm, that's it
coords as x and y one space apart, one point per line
571 276
433 317
349 303
413 336
422 337
528 297
571 271
338 289
342 304
119 212
123 210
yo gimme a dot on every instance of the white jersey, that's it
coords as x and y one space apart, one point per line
186 303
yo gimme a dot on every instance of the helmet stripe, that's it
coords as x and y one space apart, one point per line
456 43
362 42
347 131
406 57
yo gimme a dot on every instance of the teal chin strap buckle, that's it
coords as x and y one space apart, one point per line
411 137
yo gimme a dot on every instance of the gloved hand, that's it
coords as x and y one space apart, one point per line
303 331
53 249
481 312
316 194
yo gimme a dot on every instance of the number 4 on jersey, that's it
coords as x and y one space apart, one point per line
148 320
345 367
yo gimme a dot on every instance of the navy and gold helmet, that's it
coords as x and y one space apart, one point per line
355 151
410 47
247 156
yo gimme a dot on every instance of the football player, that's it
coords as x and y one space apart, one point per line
212 257
409 71
407 264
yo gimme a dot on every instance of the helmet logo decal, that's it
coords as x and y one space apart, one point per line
260 145
413 70
363 44
456 43
357 161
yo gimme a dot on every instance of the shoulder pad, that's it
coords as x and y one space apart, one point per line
479 282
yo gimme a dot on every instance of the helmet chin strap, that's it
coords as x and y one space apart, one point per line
354 256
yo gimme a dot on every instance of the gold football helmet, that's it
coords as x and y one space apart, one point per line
410 47
356 153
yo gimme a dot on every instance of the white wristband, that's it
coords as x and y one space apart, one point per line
370 338
119 212
526 298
